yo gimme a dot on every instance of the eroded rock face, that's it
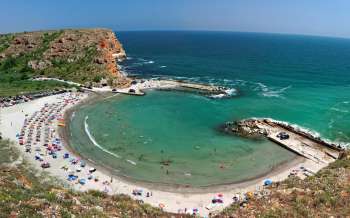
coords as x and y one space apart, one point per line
111 49
73 45
80 55
24 43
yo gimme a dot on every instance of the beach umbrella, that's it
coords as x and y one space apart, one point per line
82 164
250 194
37 156
267 182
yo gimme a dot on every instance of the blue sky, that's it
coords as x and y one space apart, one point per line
314 17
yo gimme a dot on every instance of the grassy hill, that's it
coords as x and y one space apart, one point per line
326 194
86 56
26 193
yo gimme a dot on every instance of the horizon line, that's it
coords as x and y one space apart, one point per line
184 30
232 31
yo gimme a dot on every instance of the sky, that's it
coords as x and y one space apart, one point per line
306 17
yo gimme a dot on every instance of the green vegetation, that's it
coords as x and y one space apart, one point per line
73 55
24 194
327 194
15 72
26 86
74 71
5 41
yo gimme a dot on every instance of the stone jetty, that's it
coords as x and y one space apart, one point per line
138 87
294 139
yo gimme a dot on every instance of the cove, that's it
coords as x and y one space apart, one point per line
171 138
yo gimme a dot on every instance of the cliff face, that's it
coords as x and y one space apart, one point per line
112 51
87 56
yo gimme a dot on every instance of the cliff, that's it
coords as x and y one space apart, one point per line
87 56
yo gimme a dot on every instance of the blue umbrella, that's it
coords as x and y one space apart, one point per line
82 181
267 182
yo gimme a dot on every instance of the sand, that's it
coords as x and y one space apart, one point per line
12 119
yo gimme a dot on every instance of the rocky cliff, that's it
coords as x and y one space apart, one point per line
87 56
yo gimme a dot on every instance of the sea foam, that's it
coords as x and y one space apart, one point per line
92 139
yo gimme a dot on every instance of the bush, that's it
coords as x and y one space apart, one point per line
97 78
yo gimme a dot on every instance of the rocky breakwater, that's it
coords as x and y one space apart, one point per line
292 137
245 128
139 86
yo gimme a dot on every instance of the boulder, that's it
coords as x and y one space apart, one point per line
39 65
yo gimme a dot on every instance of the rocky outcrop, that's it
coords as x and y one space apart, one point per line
112 51
39 65
247 128
80 55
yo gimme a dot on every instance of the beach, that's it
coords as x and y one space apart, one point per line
174 200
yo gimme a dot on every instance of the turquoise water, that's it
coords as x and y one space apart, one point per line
297 79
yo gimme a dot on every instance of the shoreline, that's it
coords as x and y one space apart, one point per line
178 188
174 200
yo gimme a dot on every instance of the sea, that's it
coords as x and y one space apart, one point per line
173 138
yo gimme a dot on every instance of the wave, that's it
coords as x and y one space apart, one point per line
339 110
73 115
229 93
130 161
123 72
92 139
163 66
143 62
270 91
231 84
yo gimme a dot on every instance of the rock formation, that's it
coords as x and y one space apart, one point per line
81 55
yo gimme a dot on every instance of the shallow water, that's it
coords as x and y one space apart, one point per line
137 135
297 79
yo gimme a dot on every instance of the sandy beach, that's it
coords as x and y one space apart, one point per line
50 111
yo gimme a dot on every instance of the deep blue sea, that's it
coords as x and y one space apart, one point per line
302 80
